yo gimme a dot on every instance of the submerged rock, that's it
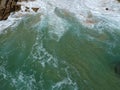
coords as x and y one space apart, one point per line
35 9
117 68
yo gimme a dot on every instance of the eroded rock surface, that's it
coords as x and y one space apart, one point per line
8 6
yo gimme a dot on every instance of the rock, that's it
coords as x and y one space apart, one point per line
117 68
35 9
8 6
27 9
118 0
106 9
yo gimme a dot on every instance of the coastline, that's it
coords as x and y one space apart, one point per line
62 45
87 12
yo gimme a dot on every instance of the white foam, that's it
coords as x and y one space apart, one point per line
64 82
13 19
87 11
96 8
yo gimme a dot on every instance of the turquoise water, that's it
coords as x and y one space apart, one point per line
35 55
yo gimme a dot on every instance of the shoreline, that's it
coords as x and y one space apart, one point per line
87 12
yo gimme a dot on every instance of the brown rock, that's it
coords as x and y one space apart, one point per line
8 6
35 9
27 9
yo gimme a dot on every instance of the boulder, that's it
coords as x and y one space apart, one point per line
35 9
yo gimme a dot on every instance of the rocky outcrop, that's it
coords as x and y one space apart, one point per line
8 6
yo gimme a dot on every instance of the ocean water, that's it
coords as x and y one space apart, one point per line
56 51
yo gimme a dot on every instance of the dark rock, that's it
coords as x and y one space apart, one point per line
27 9
118 0
117 68
106 8
8 6
35 9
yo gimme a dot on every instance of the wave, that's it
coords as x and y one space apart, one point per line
89 13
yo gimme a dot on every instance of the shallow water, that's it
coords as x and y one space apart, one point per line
43 54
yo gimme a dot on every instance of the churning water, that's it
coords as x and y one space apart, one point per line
56 50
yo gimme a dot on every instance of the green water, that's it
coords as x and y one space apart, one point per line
33 58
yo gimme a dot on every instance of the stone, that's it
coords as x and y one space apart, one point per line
27 9
118 0
35 9
8 6
117 68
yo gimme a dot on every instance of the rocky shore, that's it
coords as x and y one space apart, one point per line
8 6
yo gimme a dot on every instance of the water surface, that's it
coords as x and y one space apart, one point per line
41 54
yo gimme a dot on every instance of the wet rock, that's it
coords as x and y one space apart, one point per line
106 9
117 68
8 6
118 0
27 9
35 9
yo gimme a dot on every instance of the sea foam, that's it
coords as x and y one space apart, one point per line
88 12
